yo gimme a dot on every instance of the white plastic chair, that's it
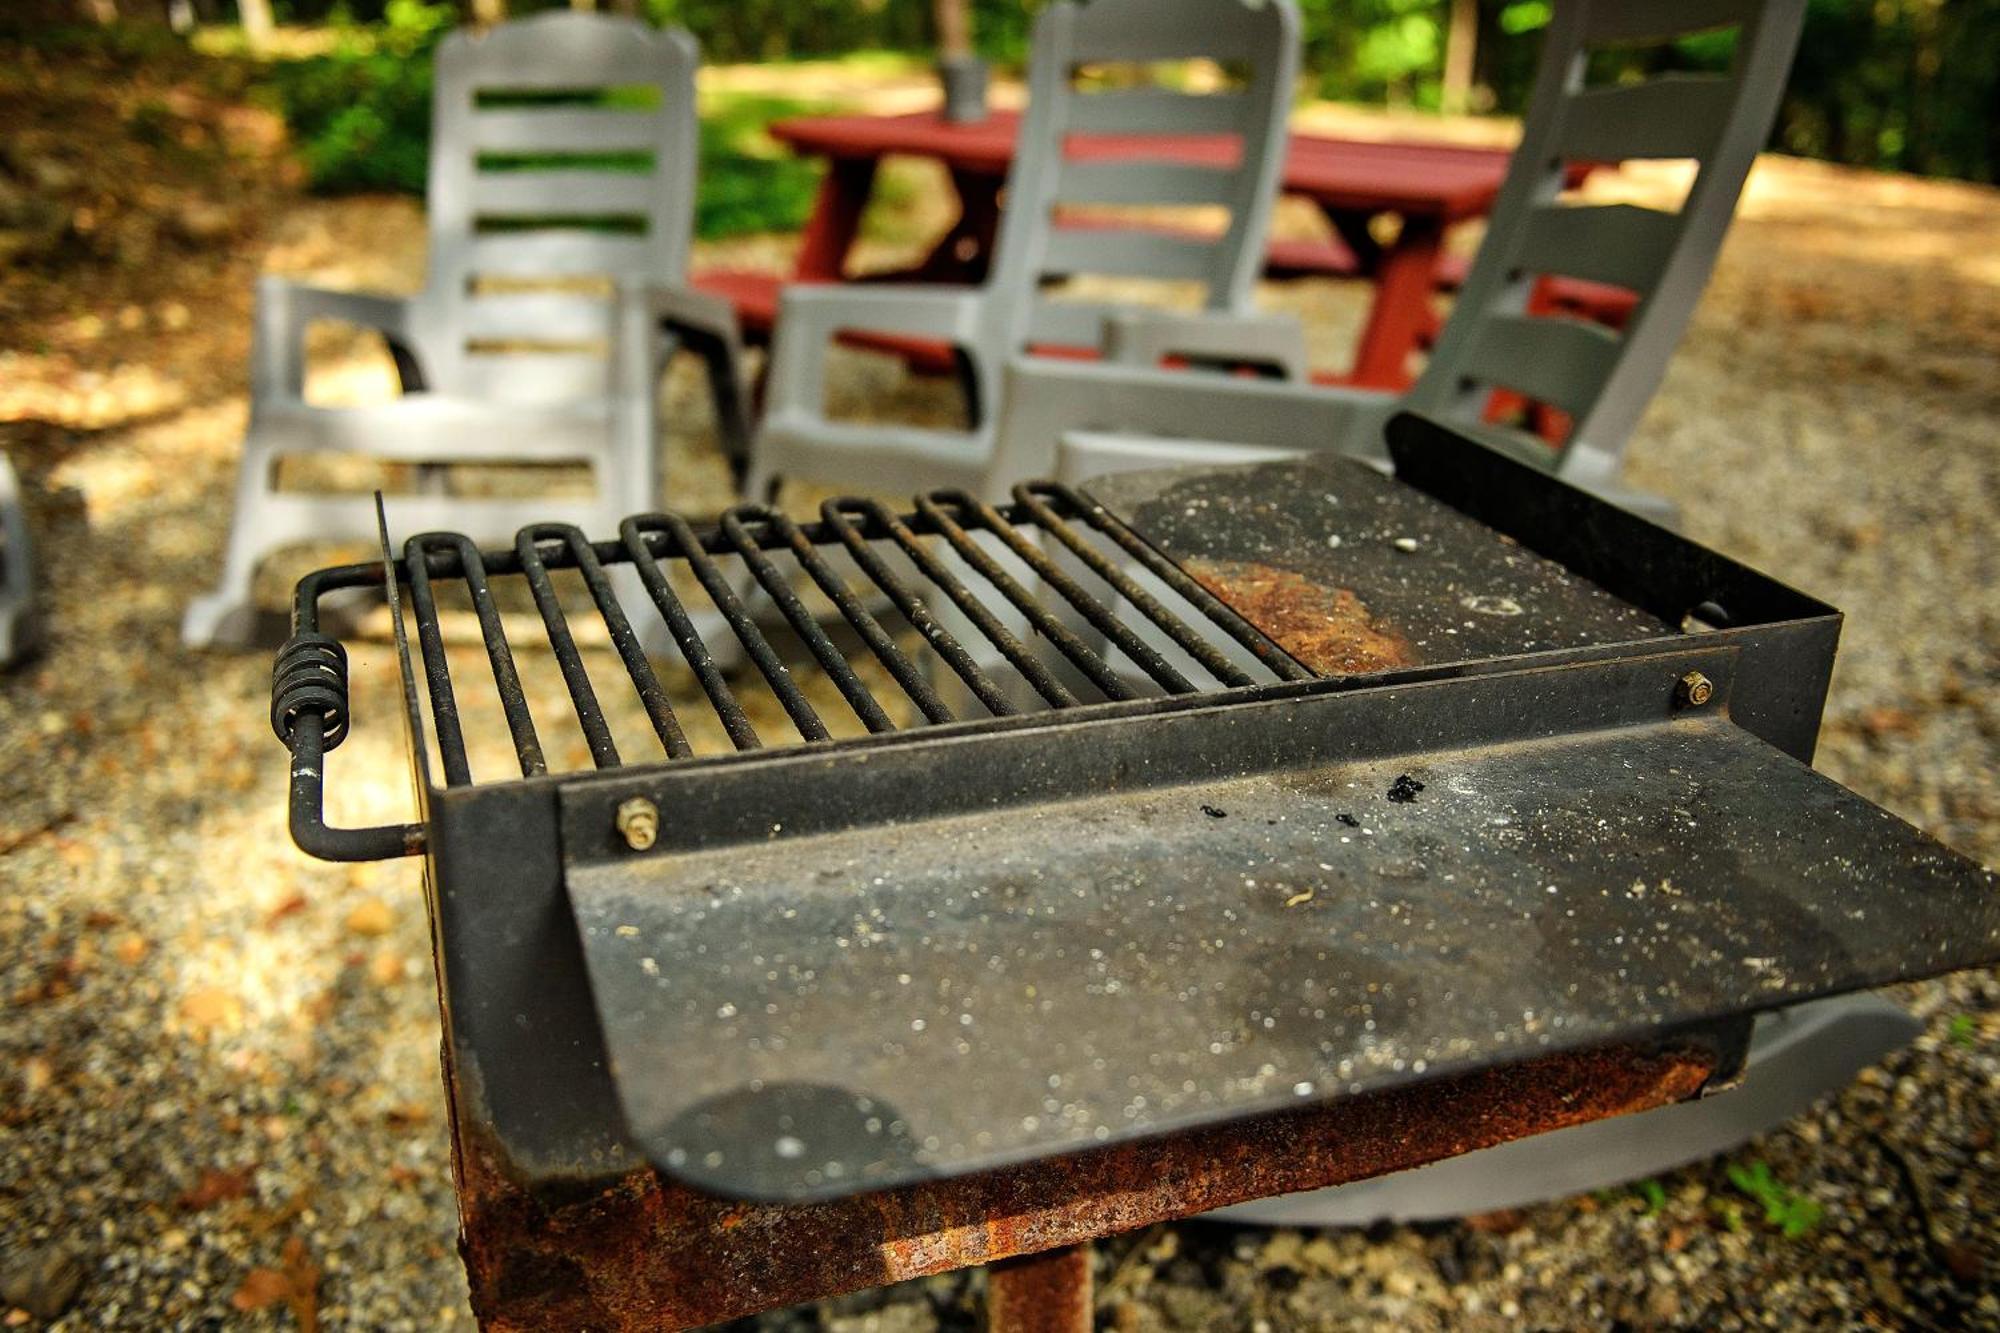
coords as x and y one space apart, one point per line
1012 310
1076 420
17 574
560 204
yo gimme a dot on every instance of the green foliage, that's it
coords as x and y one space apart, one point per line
740 30
126 43
748 183
1964 1029
1653 1193
1525 16
1792 1212
360 114
1001 28
1907 85
1375 50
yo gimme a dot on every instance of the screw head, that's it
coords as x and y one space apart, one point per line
1694 689
639 823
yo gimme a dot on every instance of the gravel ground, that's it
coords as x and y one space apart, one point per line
218 1086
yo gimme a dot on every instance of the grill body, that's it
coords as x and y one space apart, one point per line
1200 836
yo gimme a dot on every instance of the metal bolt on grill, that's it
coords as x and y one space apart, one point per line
822 904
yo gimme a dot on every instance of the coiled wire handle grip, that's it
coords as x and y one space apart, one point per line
309 713
310 676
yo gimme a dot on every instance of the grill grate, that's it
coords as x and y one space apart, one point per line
964 609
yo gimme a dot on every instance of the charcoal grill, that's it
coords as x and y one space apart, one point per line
1191 837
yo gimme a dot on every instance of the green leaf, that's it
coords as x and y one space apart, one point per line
1792 1212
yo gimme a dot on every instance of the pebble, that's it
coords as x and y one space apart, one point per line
371 918
43 1280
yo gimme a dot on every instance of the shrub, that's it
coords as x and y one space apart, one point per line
747 183
360 116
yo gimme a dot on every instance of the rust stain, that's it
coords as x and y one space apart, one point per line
1329 630
1041 1293
646 1252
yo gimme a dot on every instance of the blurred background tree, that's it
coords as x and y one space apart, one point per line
1905 85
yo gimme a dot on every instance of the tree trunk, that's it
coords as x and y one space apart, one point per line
257 22
98 11
1460 47
486 13
954 29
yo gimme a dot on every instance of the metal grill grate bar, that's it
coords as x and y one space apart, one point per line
689 547
1101 617
839 515
589 714
1035 497
919 615
1101 672
652 694
824 650
742 733
437 671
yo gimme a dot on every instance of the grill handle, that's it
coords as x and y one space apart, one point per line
309 715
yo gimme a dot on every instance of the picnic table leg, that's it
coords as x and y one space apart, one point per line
1352 228
836 219
966 251
1402 311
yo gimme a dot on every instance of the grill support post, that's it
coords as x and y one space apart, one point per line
1048 1292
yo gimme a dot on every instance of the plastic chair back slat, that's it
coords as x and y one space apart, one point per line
559 192
1555 360
1165 183
1673 116
1127 253
1620 244
1158 111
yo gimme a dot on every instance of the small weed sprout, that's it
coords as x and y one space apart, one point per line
1730 1213
1792 1212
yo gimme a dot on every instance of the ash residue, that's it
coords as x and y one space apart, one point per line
1404 789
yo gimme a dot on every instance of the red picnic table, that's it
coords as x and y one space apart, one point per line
1424 187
